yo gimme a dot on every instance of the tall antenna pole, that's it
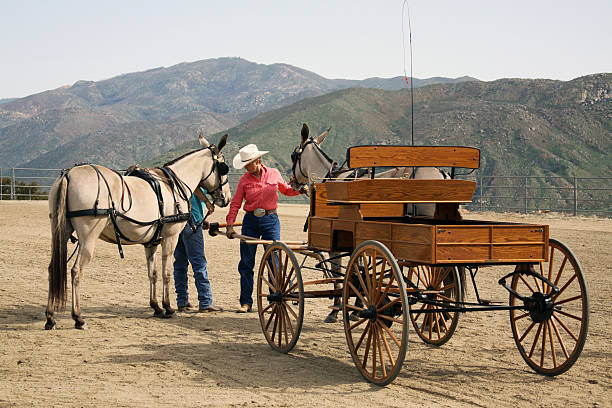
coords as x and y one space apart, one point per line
405 77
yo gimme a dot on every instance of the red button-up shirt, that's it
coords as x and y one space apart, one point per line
258 193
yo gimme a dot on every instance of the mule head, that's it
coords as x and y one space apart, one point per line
214 178
308 161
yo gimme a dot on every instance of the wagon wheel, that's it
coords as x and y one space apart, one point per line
442 284
378 340
550 334
280 297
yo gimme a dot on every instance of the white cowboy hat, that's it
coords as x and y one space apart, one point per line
246 155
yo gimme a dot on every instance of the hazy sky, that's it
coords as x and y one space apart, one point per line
45 44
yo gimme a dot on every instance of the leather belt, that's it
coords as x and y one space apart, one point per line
260 212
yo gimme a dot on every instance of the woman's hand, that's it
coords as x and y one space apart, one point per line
229 232
303 190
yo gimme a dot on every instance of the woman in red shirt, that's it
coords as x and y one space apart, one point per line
258 188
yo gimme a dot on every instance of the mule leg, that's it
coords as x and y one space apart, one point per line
168 246
332 317
88 230
150 253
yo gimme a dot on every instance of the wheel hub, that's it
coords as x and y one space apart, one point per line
275 297
369 313
540 307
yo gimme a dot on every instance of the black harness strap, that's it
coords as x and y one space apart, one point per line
158 224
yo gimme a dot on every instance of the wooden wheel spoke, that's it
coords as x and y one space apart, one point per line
391 319
363 300
267 307
295 285
388 305
386 344
288 279
552 344
550 268
571 316
380 353
419 313
357 323
366 283
565 327
386 291
543 354
560 272
380 281
365 331
451 286
290 309
560 302
522 278
268 283
524 315
569 282
271 276
393 337
273 314
367 346
374 349
441 277
531 326
559 339
535 340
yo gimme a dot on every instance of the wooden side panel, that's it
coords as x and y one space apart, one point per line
382 210
463 234
322 208
462 253
408 156
320 233
491 243
518 252
413 242
534 233
401 191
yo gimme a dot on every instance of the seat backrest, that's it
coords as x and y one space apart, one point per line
412 156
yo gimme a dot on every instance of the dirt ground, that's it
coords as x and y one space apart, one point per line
129 358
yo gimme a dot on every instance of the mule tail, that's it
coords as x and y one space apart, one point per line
58 282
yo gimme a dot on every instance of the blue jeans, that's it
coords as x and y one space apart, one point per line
190 250
266 227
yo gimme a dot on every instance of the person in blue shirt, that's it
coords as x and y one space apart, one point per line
190 250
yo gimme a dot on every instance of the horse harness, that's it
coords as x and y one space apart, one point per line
296 159
176 185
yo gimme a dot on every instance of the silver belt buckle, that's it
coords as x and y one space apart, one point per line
259 212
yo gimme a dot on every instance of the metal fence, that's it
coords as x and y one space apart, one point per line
578 195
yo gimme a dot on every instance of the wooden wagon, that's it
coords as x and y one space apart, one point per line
403 268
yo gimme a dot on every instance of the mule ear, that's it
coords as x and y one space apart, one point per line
222 142
322 136
203 141
305 132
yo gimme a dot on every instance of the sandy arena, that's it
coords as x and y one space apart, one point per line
128 358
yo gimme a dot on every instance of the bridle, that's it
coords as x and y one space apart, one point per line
296 159
222 169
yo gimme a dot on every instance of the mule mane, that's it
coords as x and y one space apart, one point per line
171 162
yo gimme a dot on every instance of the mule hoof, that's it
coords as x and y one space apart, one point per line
159 314
331 318
50 326
169 315
81 326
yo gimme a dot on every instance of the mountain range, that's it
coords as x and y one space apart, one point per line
522 126
136 116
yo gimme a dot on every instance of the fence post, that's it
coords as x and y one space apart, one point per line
525 194
481 192
12 196
0 183
575 196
